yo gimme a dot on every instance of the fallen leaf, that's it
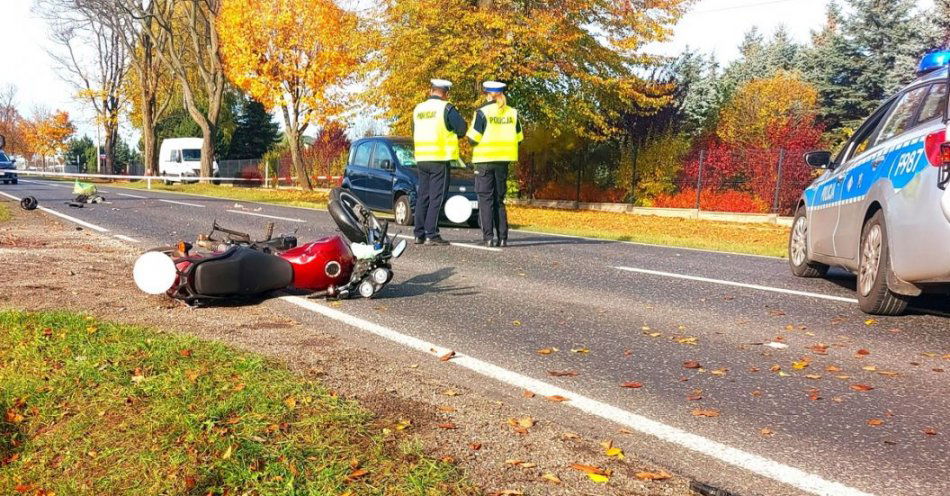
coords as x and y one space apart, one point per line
888 373
875 422
588 469
870 322
813 377
553 479
814 394
446 357
720 372
185 353
556 398
562 373
569 436
696 395
687 340
528 394
766 432
705 412
653 476
832 368
869 368
447 409
227 453
450 392
930 431
801 364
291 402
547 351
356 474
777 346
862 352
631 385
475 446
580 350
447 426
624 430
691 364
775 368
598 478
403 424
861 387
614 453
516 323
819 349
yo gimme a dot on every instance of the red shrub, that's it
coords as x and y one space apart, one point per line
716 201
590 193
250 176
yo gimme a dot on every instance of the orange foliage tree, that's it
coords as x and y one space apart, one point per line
46 134
292 54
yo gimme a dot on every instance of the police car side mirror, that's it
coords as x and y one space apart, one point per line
818 160
387 165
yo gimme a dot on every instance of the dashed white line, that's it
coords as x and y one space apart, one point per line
183 203
797 478
132 196
64 216
738 284
126 238
288 219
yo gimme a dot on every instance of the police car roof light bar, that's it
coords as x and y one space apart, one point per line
933 60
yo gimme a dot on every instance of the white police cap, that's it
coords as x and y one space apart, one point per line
441 83
494 86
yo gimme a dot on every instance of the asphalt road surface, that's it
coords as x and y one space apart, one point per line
794 417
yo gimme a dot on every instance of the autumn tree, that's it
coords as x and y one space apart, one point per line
11 123
94 59
572 66
759 104
46 134
291 54
191 50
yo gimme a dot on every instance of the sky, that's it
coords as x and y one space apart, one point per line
711 26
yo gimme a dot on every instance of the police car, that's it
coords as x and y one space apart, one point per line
881 208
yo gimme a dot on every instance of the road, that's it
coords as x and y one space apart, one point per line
790 418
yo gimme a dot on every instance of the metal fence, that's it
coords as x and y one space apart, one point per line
721 180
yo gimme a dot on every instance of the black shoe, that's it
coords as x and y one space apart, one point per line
436 241
419 241
503 243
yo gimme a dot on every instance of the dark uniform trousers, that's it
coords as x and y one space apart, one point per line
491 184
430 194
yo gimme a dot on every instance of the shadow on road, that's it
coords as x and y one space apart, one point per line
934 304
431 283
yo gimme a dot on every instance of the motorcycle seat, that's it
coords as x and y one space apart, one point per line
241 271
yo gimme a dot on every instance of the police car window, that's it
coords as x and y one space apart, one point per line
381 154
934 104
862 137
3 158
361 158
902 118
405 153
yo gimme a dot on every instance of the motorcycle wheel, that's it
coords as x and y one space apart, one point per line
352 216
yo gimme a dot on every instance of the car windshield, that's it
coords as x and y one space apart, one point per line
406 154
193 155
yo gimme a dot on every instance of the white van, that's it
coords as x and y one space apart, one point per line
180 158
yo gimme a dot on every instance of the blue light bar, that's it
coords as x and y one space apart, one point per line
934 60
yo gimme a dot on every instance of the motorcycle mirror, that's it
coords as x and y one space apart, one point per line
154 273
399 248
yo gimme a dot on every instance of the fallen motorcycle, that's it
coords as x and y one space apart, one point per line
235 266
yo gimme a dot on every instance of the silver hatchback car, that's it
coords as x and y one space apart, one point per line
881 208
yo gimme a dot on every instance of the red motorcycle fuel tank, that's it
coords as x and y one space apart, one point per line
320 264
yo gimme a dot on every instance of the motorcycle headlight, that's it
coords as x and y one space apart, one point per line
380 276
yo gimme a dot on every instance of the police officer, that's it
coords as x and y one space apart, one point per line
496 133
437 128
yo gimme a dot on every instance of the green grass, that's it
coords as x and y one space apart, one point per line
286 197
97 408
733 237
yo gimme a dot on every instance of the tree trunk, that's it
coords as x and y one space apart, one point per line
108 165
207 152
293 138
149 145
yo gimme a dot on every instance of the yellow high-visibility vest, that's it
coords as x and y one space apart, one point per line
499 142
434 142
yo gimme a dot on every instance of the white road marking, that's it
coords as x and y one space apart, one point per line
267 216
64 216
132 196
183 203
765 467
463 245
126 238
738 284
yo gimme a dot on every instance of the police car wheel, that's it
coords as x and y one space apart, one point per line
798 249
874 297
403 211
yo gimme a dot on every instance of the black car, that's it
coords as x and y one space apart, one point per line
381 172
6 165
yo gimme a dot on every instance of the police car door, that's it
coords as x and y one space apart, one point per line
895 139
828 195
